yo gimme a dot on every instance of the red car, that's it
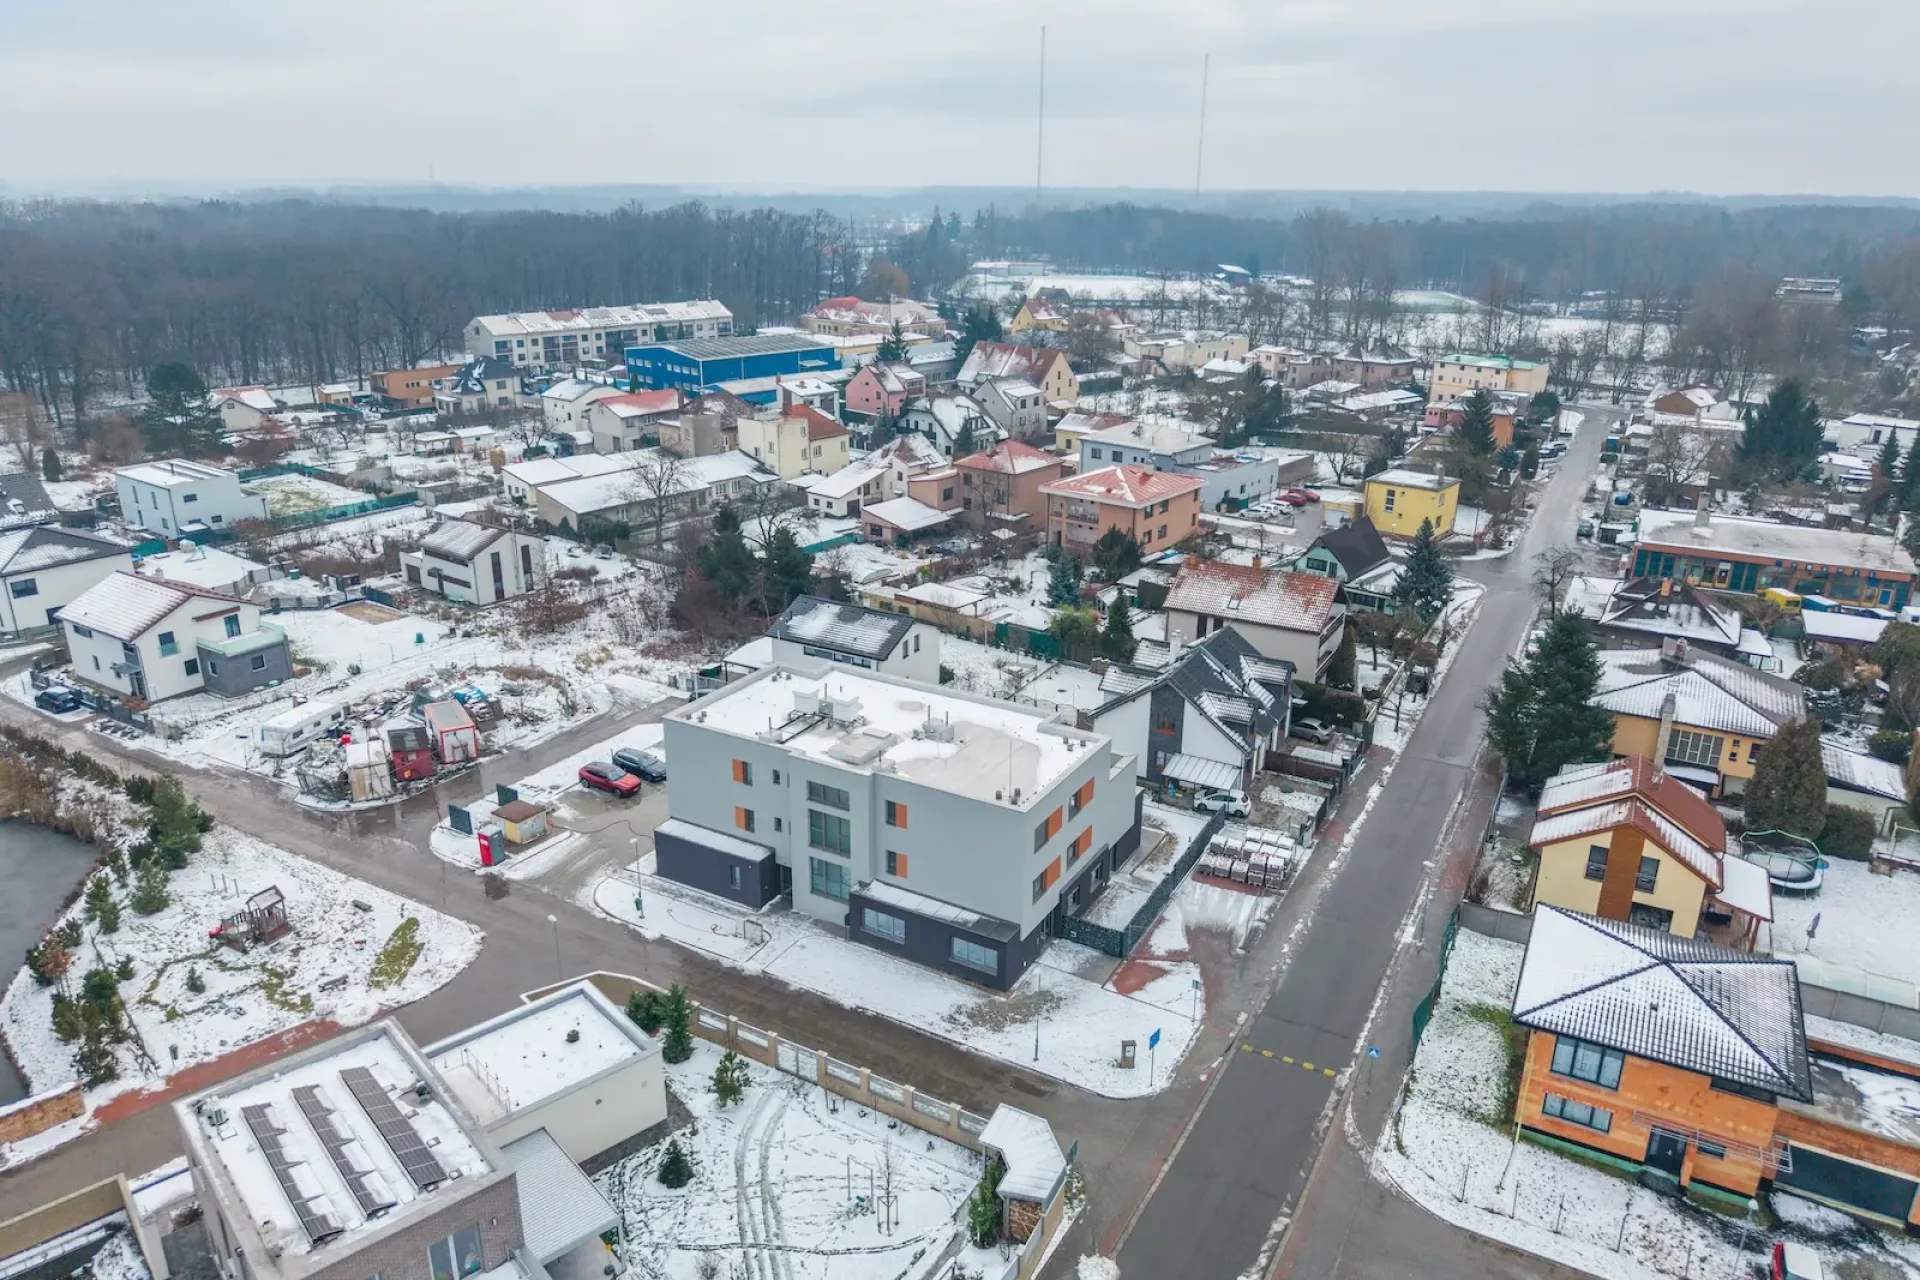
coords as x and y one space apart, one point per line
610 778
1296 497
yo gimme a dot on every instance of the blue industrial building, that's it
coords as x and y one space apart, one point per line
696 364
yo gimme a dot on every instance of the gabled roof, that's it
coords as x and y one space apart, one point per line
1709 692
255 397
460 540
844 628
126 606
894 379
819 425
1683 1002
1004 360
569 390
1259 597
24 500
1223 677
1852 771
1655 606
43 547
640 404
1357 545
909 515
1156 435
1578 786
472 377
1010 456
1593 819
1127 486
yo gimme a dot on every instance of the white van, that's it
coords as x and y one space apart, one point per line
293 729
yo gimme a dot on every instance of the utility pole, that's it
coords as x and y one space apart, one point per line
1200 150
1040 133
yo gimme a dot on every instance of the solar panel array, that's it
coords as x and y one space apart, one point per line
395 1129
368 1187
312 1209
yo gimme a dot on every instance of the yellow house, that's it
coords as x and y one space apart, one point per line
1703 718
1626 840
1399 500
1458 375
1035 314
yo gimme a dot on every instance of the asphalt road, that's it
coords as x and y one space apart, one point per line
1242 1165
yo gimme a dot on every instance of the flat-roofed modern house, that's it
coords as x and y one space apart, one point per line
1741 554
853 635
177 497
473 563
950 829
358 1158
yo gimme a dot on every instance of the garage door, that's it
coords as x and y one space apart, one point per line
1844 1182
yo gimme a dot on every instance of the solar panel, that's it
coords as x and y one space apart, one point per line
395 1129
368 1187
315 1215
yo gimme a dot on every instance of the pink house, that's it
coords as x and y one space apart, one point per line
884 389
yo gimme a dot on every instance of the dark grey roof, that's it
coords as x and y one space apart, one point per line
1681 1001
1225 679
38 547
34 506
472 377
844 628
1357 545
755 344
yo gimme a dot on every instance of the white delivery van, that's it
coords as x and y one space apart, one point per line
294 728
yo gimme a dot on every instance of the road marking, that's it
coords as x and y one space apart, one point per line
1246 1047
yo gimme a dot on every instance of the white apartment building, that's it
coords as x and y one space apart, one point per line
174 497
568 339
943 827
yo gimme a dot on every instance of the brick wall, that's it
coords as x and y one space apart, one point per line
39 1113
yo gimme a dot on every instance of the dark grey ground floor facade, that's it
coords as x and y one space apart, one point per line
714 862
229 677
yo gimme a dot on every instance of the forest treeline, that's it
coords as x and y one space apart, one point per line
92 294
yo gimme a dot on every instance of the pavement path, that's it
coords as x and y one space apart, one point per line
1239 1170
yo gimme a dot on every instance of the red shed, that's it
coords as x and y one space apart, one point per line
455 739
411 751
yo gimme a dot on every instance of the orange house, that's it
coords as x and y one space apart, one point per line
1001 485
1154 508
1691 1061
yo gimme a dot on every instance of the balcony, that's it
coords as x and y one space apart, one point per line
265 636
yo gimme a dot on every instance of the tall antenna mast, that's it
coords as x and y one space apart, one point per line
1200 150
1040 136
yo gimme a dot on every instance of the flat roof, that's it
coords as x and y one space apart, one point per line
169 472
1402 478
880 724
309 1163
754 344
522 1058
1770 540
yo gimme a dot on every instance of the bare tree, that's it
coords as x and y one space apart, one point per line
1679 456
24 426
1553 573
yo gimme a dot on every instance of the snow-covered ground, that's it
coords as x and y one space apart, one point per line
296 495
322 969
1866 921
789 1181
1451 1148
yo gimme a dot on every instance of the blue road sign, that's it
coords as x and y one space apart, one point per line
1153 1041
1373 1051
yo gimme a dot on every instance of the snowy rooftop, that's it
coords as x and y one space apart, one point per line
972 746
124 606
41 548
1686 1003
845 628
1709 692
1032 1154
315 1150
1294 601
909 515
539 471
523 1058
1767 539
604 317
1155 435
1401 478
208 567
1859 1097
1852 771
1850 628
171 472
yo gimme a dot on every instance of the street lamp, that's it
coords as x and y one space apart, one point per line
558 973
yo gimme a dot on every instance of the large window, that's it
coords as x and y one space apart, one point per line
23 587
1687 747
458 1255
828 879
232 624
168 645
1584 1060
1596 862
974 955
826 831
1649 873
880 924
832 797
1598 1119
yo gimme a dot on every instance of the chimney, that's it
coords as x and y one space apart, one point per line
1665 735
1440 473
1256 560
1702 513
1673 652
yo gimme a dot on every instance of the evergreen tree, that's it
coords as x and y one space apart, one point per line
50 463
676 1016
1344 671
101 908
150 894
1510 707
980 324
1116 638
1788 791
1888 463
730 1079
195 983
1063 584
726 560
1784 435
1476 423
676 1170
1544 407
643 1007
93 1060
1910 476
178 418
1075 629
1115 556
983 1206
1426 578
893 347
1565 672
964 444
788 569
174 824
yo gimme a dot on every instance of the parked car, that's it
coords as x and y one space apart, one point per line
1233 803
645 763
603 552
1796 1262
1586 529
57 698
601 775
1296 497
1311 729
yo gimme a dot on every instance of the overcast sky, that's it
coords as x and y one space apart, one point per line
1717 96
